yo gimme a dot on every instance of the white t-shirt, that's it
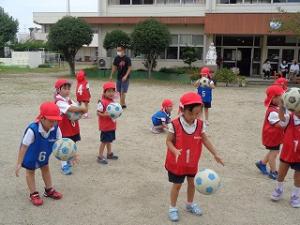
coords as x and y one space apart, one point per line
188 128
273 118
294 68
100 107
63 105
266 67
28 138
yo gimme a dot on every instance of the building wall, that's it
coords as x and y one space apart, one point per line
31 59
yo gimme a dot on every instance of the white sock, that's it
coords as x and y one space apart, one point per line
189 203
296 191
63 163
280 185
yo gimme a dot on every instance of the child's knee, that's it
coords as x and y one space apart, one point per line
176 187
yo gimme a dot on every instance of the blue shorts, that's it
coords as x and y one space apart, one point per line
207 105
122 87
108 136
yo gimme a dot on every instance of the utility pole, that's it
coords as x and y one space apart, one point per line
68 8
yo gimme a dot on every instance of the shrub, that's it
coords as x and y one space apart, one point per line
45 65
225 75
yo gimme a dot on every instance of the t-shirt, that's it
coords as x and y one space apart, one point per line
294 68
273 118
122 64
188 128
28 138
63 105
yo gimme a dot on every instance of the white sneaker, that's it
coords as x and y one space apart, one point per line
277 194
295 201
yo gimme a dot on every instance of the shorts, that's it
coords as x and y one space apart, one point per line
178 179
274 148
74 138
108 136
35 165
207 105
122 87
294 165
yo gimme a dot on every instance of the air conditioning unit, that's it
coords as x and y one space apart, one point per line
105 63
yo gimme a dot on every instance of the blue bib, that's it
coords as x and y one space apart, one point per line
37 154
205 93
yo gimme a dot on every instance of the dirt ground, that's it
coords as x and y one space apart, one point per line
134 190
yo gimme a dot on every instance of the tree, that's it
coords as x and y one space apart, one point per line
30 45
288 22
189 56
150 38
116 38
67 36
8 29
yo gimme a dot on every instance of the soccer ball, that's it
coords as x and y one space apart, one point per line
207 181
64 149
275 25
204 82
114 110
74 116
291 99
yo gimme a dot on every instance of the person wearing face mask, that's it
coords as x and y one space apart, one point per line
294 70
284 68
122 64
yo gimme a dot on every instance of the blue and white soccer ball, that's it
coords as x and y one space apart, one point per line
64 149
207 181
275 25
114 110
74 116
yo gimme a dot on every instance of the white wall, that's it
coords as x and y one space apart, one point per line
31 59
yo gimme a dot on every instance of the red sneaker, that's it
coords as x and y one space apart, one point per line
36 199
52 193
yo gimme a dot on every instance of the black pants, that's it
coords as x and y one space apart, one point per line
266 74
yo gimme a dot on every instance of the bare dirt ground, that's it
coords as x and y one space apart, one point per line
134 190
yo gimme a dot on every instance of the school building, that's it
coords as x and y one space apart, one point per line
240 30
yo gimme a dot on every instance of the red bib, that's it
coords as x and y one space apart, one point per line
191 146
68 128
271 136
82 92
105 122
291 143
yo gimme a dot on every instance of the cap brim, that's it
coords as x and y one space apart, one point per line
54 118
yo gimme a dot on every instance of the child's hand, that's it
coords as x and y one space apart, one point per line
177 153
219 160
17 170
75 160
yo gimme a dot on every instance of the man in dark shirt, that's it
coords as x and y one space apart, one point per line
122 64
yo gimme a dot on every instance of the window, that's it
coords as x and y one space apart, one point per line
185 39
238 40
172 52
124 2
142 2
197 40
273 55
256 54
199 52
281 41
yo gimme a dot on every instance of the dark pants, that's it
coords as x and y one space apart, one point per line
266 74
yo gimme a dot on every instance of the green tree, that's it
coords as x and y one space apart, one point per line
116 38
150 38
8 29
288 22
30 45
189 56
67 36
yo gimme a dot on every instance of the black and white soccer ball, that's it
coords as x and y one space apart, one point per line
204 82
291 99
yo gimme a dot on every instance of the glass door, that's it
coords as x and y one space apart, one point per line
229 57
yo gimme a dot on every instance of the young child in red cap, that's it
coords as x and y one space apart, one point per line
70 129
290 155
36 148
107 125
272 132
83 94
162 118
184 142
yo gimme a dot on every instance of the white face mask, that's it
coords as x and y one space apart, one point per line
120 53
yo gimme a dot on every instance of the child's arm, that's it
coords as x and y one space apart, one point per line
212 85
100 110
81 109
211 149
197 83
22 151
102 114
170 145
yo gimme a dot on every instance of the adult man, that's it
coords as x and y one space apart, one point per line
122 64
294 70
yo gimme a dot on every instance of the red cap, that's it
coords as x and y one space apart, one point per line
60 83
272 91
205 71
282 81
80 75
167 103
190 98
109 85
50 111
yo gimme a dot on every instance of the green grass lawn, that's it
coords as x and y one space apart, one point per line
20 70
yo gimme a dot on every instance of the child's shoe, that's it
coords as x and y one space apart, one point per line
295 201
194 209
67 169
273 175
173 214
112 156
207 123
155 130
262 167
52 193
36 199
277 194
102 160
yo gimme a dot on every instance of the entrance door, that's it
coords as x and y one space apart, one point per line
244 61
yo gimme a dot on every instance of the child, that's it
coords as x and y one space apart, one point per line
70 129
161 119
290 156
82 90
184 142
206 92
107 126
36 148
281 82
272 132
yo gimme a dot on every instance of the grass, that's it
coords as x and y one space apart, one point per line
20 70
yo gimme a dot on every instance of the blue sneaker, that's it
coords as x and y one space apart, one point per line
66 169
194 209
173 214
262 167
273 175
